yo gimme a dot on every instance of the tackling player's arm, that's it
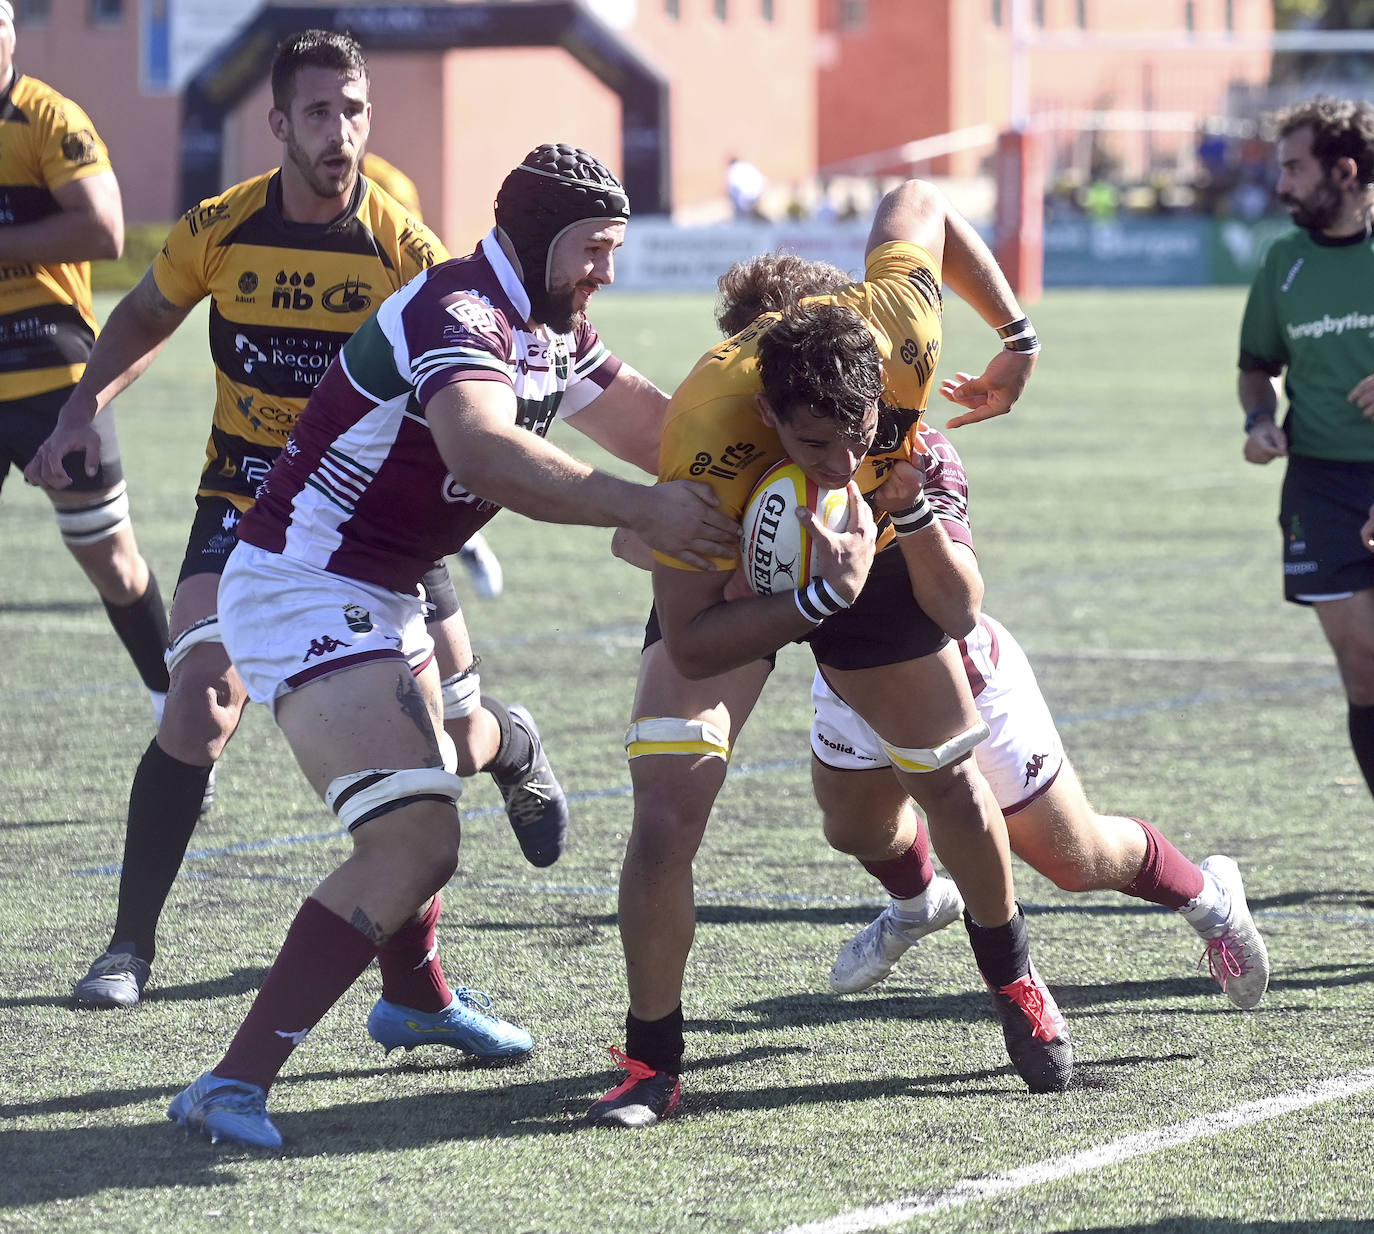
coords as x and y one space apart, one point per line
945 578
137 328
626 418
474 428
88 226
706 634
919 213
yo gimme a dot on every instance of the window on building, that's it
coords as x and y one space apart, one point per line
997 14
106 12
1080 13
722 8
853 14
33 12
767 10
1189 16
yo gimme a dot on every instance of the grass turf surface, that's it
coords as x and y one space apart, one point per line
1133 553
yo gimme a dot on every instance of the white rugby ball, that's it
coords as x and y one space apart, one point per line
776 552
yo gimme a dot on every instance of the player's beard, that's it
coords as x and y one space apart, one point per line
1319 209
558 309
321 183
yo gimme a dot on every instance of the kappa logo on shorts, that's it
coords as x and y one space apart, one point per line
358 618
1034 766
325 646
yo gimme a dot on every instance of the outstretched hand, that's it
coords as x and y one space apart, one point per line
992 394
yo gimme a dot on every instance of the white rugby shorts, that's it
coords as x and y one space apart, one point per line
286 624
1022 754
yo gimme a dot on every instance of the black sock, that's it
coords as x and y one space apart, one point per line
142 628
516 752
1002 952
1361 721
656 1043
164 805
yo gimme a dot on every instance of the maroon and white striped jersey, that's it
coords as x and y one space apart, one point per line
360 488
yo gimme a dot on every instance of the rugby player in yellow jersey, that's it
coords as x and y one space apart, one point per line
701 676
59 210
293 261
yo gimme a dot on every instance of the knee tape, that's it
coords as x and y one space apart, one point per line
941 756
462 693
666 735
364 795
206 630
97 521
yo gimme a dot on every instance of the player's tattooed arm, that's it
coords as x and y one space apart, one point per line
412 705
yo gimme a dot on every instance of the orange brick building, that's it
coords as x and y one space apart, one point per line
791 85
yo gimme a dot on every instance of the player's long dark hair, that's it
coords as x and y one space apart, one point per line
822 357
770 283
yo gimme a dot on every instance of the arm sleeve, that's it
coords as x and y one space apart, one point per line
1262 345
593 369
71 149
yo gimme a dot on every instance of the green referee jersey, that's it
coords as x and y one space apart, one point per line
1310 315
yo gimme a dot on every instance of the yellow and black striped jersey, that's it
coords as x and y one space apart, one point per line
47 327
283 299
713 432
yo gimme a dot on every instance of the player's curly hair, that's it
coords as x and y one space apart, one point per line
314 49
822 357
1341 129
770 283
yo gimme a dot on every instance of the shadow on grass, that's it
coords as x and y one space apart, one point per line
238 981
46 1165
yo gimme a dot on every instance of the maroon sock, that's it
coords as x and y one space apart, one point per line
409 960
909 874
1166 876
322 956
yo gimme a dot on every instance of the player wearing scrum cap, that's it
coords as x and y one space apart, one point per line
347 246
60 210
431 419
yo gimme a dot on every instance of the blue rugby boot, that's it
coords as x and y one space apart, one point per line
225 1110
466 1024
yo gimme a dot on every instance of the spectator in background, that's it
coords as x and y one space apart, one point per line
59 209
478 557
744 184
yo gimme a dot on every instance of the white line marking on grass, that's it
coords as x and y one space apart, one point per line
1114 1152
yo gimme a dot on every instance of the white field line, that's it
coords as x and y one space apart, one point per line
1114 1152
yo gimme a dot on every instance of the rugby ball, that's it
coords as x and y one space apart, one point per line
776 552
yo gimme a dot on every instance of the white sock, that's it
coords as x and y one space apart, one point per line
1208 912
916 910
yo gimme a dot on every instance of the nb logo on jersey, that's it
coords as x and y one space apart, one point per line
290 293
323 647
